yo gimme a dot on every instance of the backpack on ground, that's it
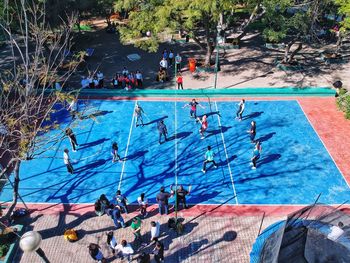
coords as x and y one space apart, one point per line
70 235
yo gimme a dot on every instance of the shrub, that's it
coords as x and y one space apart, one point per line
343 103
4 248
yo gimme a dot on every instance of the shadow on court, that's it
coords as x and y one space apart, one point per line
252 115
266 137
155 121
215 132
95 114
269 158
135 155
210 114
180 135
91 144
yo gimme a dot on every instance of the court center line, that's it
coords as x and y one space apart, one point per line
175 140
324 145
127 145
227 159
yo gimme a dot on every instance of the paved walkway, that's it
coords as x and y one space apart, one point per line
206 239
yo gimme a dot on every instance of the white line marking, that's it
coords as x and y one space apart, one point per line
175 140
227 159
127 145
322 143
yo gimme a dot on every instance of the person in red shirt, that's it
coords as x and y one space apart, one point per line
204 125
179 81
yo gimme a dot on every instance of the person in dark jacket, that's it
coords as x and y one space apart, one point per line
162 131
72 139
162 200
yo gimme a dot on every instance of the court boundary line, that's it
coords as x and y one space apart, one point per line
227 159
324 145
127 146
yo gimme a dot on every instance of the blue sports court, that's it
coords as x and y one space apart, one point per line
294 166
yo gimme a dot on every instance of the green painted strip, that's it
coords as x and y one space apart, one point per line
247 92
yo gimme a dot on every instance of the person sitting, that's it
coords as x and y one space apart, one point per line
121 201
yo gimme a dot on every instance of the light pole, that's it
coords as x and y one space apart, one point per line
30 242
218 40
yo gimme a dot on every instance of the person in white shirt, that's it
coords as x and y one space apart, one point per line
111 241
164 64
73 107
139 78
100 79
67 162
125 249
155 231
143 203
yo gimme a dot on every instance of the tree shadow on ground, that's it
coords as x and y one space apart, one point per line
95 114
180 136
223 129
91 144
252 115
266 137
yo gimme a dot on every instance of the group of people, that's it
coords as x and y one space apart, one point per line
118 205
124 80
166 63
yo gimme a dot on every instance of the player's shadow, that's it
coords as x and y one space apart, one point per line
269 158
135 155
229 160
252 115
266 137
91 144
155 121
180 135
90 166
217 131
95 114
209 114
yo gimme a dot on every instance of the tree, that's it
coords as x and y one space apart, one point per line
198 18
285 20
27 84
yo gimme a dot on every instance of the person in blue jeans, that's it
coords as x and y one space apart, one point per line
163 200
115 214
121 201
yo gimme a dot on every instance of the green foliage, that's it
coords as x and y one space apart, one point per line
4 248
273 36
343 103
344 9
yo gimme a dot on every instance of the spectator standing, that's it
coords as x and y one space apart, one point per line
115 214
171 58
179 81
67 161
121 201
155 231
95 252
100 79
143 203
125 72
125 249
209 158
95 80
163 64
165 54
136 227
84 83
181 193
162 131
163 200
111 241
72 139
158 252
178 60
139 78
115 82
91 82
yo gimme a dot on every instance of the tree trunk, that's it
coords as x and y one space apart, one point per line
208 55
288 55
253 17
15 189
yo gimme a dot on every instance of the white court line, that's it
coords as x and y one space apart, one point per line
227 159
322 143
127 146
175 140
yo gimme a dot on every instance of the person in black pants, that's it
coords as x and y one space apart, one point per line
162 131
181 196
252 131
158 252
72 139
